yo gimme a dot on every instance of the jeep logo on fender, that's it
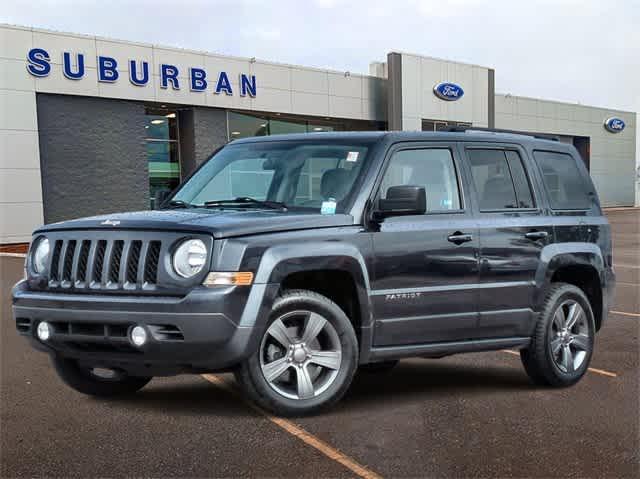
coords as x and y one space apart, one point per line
614 125
448 91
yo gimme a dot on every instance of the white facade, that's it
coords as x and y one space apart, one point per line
612 155
420 74
286 89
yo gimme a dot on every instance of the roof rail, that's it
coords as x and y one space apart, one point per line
464 129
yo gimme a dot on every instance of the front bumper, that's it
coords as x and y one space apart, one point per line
206 330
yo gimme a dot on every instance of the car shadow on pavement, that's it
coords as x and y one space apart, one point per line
410 381
184 396
432 379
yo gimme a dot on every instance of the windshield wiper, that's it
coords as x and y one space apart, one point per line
247 201
179 204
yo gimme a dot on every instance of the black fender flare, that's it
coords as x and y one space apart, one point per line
279 261
558 255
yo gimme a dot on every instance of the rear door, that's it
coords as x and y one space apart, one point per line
426 266
513 230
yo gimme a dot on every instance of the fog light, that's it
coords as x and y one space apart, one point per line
44 331
138 336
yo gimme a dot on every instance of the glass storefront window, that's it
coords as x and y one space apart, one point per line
242 125
161 128
280 127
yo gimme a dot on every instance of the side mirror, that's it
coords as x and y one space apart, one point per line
402 200
160 197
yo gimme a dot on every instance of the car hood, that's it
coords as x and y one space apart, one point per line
221 223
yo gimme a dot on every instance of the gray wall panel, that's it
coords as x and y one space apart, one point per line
92 155
210 131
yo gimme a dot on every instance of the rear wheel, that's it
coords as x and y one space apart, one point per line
562 345
100 382
306 359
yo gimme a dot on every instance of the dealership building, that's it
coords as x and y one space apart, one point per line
91 125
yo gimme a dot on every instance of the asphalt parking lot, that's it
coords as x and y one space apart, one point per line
466 415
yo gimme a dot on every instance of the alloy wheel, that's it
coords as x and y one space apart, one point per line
300 355
569 336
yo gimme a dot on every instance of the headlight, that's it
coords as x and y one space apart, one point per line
40 256
189 258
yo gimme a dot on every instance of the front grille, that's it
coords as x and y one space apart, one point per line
104 264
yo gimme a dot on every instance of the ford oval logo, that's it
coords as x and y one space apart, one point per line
448 91
614 125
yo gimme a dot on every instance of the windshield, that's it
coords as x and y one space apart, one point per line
314 176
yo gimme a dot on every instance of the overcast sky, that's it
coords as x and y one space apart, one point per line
584 51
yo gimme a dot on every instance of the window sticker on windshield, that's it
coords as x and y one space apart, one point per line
353 156
328 207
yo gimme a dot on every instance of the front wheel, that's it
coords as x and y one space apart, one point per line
307 356
99 382
563 341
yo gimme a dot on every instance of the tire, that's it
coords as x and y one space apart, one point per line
86 380
558 355
298 385
381 367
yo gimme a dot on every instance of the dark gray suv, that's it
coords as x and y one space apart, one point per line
295 260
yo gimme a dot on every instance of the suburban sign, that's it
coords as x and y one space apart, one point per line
448 91
109 71
614 125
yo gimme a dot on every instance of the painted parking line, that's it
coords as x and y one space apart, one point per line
626 266
624 313
593 370
296 431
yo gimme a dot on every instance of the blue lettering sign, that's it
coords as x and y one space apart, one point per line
197 77
39 65
67 66
248 85
74 68
224 84
169 73
133 73
448 91
107 69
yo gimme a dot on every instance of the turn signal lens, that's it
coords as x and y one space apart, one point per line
229 279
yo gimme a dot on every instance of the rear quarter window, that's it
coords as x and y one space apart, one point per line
563 180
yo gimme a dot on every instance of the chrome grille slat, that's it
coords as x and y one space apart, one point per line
80 273
141 262
122 267
133 262
91 258
55 259
106 266
111 264
67 264
98 264
151 262
76 260
61 261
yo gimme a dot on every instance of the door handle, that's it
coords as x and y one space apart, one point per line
459 238
536 235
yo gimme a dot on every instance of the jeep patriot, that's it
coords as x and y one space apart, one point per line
296 260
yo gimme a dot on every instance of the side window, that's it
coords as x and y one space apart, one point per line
500 180
432 168
520 181
564 182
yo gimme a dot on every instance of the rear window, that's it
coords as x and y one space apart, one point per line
563 180
500 179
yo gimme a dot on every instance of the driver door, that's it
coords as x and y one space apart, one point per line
426 266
